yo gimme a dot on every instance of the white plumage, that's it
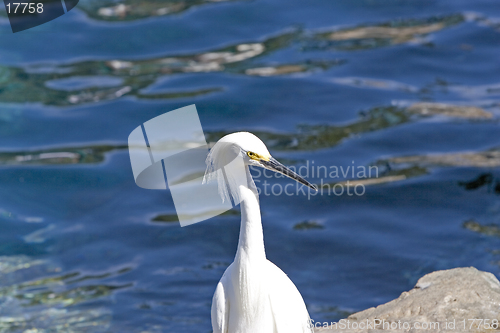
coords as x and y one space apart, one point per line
253 295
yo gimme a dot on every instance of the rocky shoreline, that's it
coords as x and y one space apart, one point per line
455 300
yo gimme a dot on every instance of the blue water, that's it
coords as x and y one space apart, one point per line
335 82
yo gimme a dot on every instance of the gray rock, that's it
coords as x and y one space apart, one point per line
455 300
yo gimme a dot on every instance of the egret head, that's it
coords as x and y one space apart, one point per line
248 150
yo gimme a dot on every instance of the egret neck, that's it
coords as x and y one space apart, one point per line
251 242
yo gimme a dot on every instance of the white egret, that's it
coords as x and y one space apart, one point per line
253 295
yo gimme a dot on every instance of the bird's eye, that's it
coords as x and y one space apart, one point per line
250 154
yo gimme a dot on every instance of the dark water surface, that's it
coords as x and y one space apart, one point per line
411 87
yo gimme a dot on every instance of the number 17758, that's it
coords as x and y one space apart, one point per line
20 7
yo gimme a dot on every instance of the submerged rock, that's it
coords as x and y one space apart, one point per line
130 10
483 159
311 137
307 225
60 156
455 300
173 218
398 34
470 112
488 230
384 34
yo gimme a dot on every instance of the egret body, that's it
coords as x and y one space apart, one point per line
253 295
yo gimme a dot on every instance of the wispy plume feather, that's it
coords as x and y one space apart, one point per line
226 165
